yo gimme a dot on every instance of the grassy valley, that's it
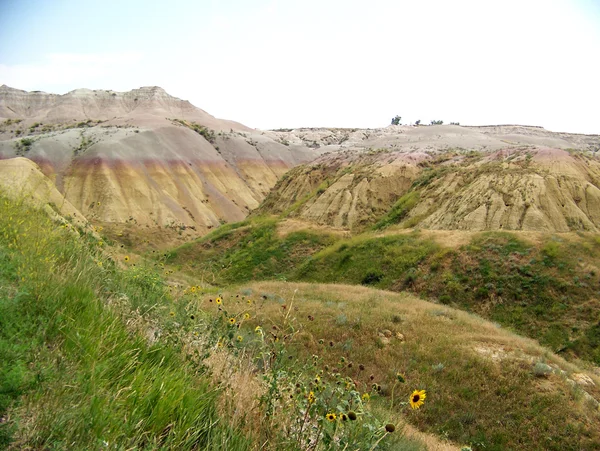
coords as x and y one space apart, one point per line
545 286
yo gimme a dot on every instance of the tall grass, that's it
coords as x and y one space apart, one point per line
74 375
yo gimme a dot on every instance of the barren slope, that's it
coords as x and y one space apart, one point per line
144 157
472 178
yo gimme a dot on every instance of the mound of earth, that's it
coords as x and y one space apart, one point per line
144 157
21 179
547 186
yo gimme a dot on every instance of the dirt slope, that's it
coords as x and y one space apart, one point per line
22 180
144 157
471 178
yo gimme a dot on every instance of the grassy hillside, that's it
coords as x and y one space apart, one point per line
78 368
485 386
247 250
99 352
547 289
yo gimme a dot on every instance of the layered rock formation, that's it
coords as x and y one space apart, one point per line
143 156
471 178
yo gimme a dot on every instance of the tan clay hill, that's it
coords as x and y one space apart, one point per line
144 157
22 180
148 159
445 177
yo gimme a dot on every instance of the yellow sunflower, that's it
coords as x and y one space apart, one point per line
258 329
246 315
240 338
417 398
366 397
231 321
311 397
331 417
218 300
127 258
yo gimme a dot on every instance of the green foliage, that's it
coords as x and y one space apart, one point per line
399 211
378 262
206 132
396 120
84 144
72 364
23 146
437 122
250 250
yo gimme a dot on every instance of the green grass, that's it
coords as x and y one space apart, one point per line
247 251
73 374
97 356
399 211
472 399
367 260
546 291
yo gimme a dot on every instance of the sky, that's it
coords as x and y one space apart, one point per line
327 63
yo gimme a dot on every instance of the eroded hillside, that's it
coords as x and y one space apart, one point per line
492 184
144 157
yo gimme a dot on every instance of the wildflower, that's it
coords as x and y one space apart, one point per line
232 321
172 313
417 398
343 360
311 397
249 302
390 428
100 264
239 338
344 417
192 317
331 417
400 378
352 416
246 315
317 379
219 300
126 258
258 329
193 289
366 397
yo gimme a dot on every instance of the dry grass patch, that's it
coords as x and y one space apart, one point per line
488 403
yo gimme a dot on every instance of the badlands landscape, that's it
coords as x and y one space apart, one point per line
170 280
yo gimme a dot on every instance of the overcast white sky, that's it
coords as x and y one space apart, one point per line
342 63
